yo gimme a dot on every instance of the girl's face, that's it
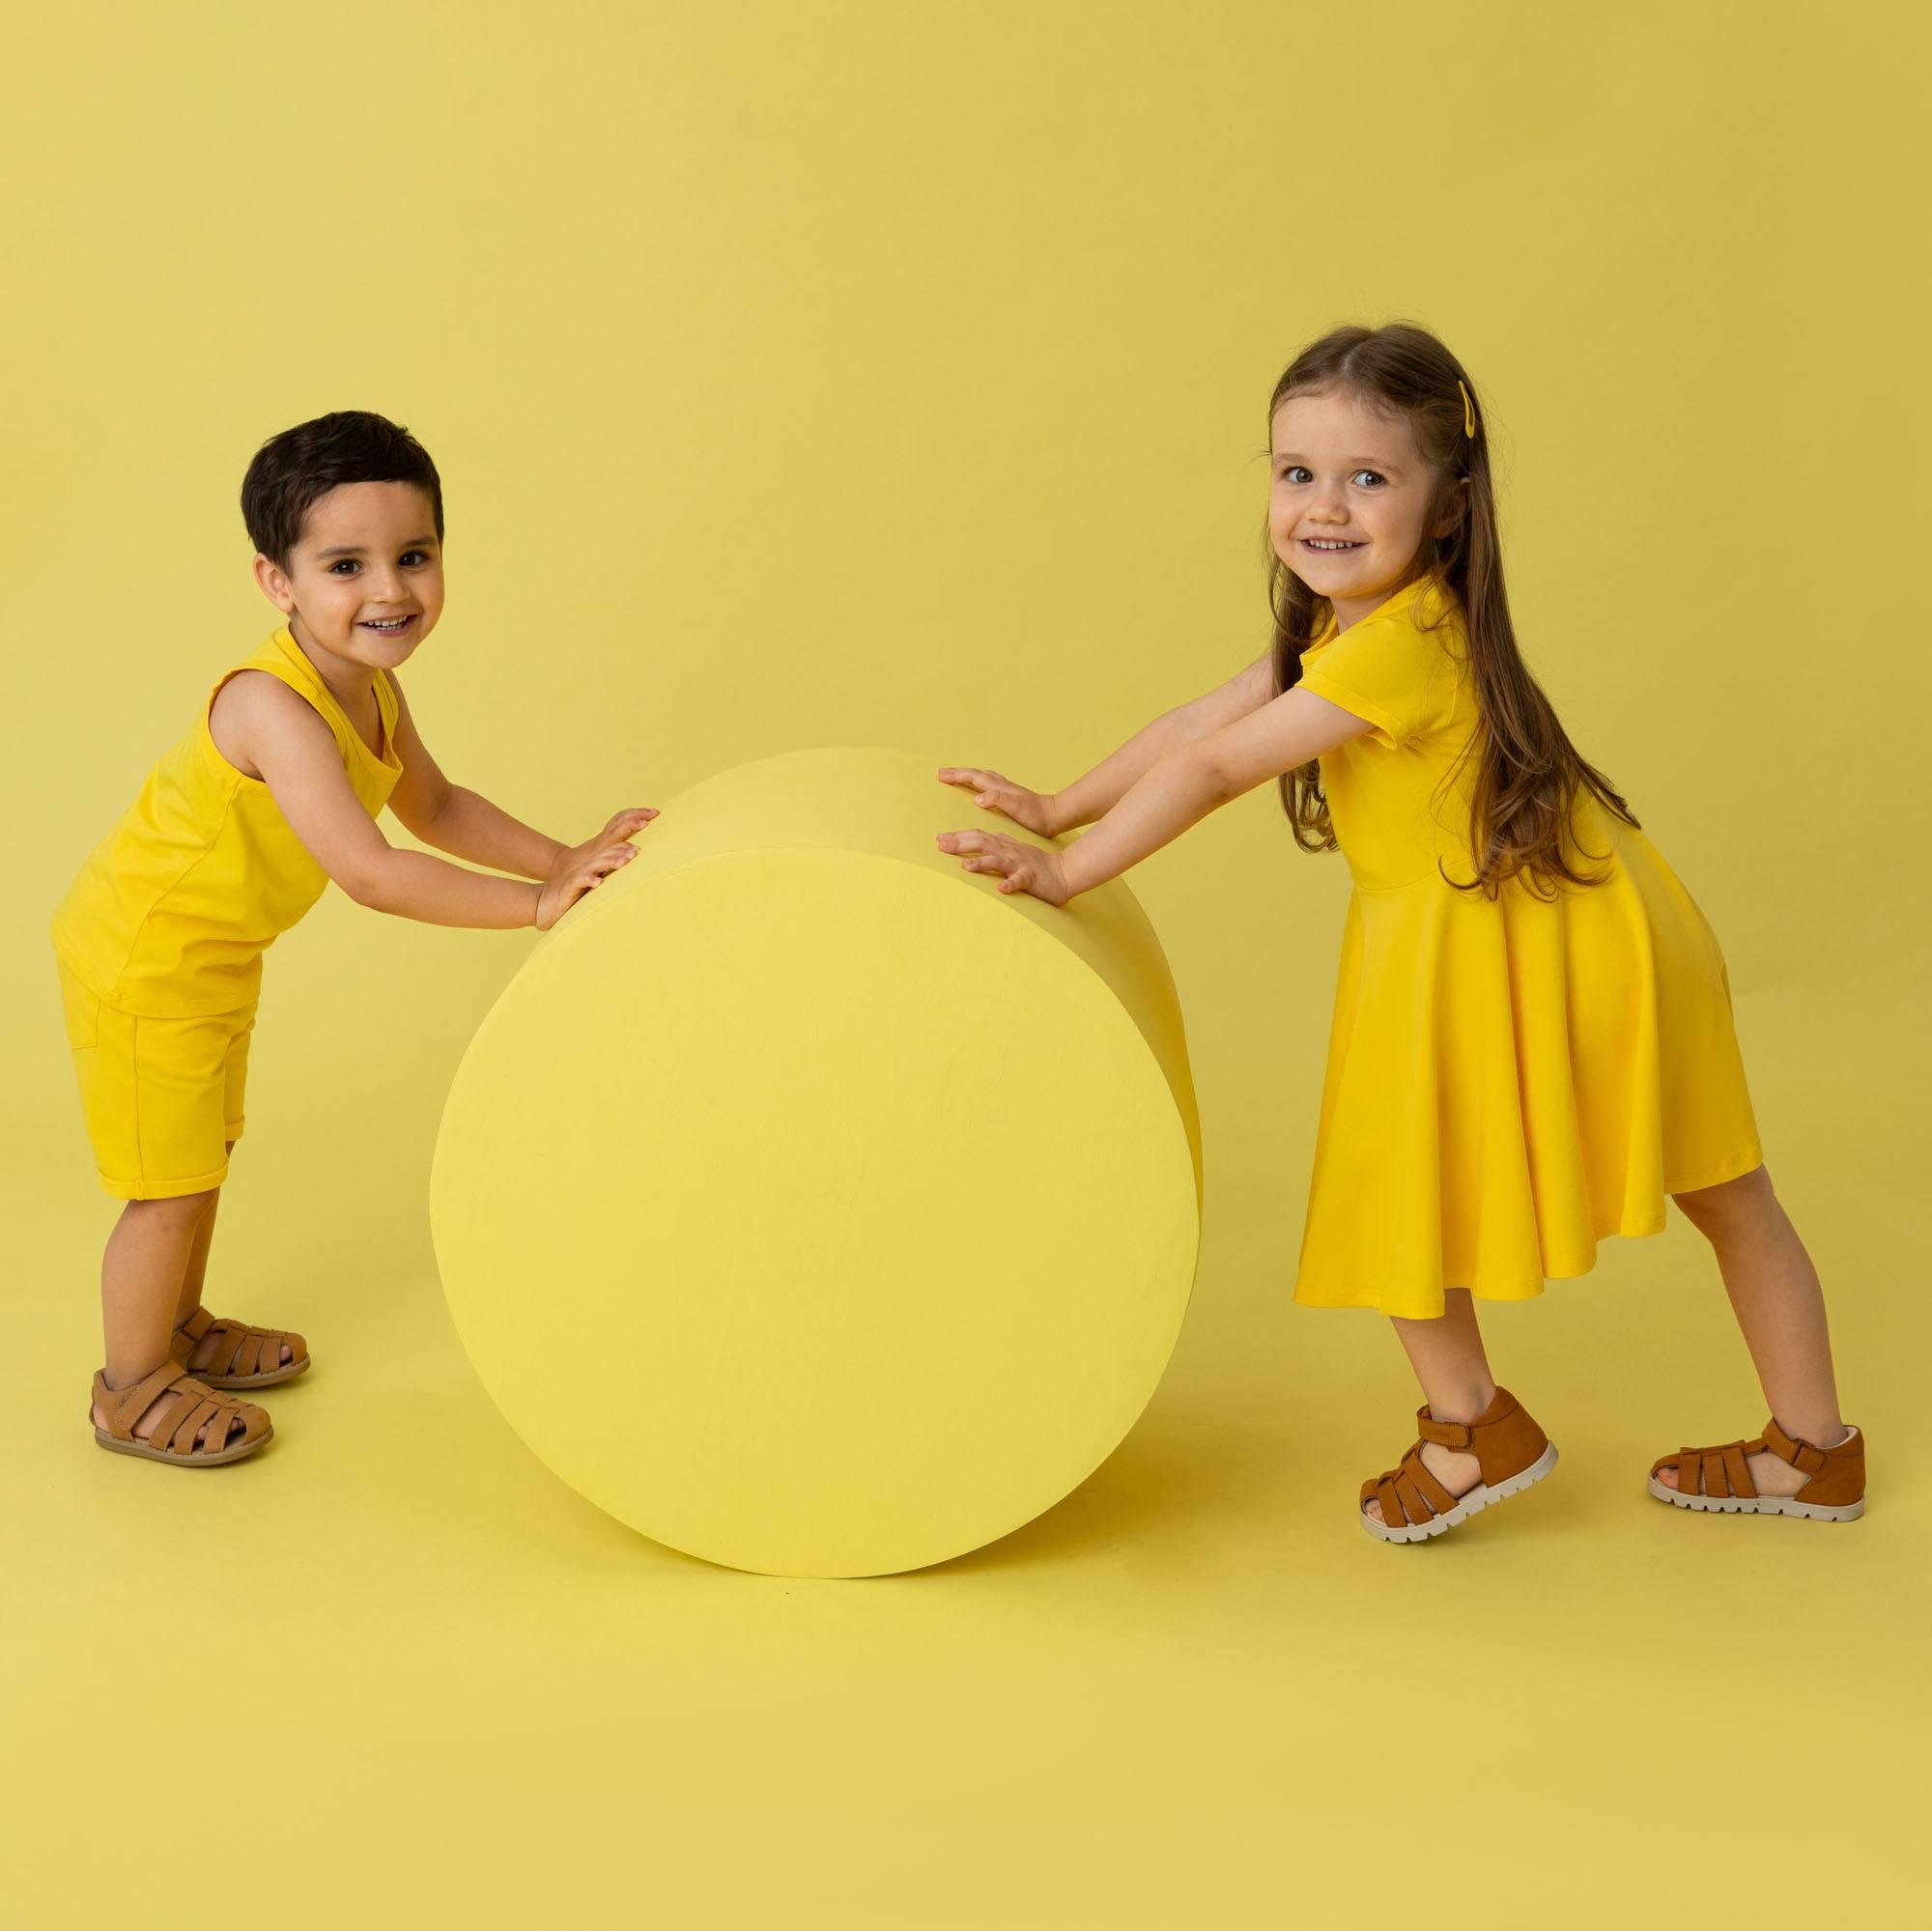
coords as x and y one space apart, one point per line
365 580
1348 497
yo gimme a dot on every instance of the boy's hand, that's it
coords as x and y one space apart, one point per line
570 881
1002 795
1022 868
622 824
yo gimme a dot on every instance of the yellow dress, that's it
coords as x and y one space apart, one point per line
1509 1080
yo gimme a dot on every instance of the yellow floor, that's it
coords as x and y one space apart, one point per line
391 1667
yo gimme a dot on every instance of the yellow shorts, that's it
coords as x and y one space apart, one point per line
163 1097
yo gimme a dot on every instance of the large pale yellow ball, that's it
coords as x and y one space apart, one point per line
806 1202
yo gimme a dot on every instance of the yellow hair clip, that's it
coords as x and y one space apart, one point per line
1468 413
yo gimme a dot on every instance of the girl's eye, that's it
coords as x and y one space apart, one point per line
1294 471
423 553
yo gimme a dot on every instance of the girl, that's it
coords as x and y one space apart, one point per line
1532 1040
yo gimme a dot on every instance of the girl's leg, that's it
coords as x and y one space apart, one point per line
1448 1358
1780 1307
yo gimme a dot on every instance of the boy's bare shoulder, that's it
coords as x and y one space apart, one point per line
251 708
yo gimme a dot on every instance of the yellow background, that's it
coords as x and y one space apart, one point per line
894 375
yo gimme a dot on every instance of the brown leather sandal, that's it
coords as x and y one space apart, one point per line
1514 1452
194 1406
244 1357
1718 1479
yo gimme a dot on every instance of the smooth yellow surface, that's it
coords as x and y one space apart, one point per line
886 375
784 1025
1510 1080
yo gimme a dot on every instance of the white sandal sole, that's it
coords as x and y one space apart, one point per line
1757 1505
1473 1503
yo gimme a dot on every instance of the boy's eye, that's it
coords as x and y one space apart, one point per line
350 563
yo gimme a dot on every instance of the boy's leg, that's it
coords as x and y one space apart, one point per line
1449 1361
157 1094
1780 1308
193 1276
197 1270
140 1284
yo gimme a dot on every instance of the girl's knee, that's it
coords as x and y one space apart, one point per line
1746 1193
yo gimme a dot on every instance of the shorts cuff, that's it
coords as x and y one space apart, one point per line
161 1189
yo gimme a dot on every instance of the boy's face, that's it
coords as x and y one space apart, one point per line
368 553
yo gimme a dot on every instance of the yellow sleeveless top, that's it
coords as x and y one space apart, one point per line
172 911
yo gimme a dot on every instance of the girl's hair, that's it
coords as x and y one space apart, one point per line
292 469
1520 818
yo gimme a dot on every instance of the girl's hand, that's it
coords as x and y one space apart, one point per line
622 824
1002 795
572 880
1022 868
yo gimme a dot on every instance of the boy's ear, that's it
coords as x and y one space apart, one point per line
274 584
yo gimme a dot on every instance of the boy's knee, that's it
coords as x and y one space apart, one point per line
177 1206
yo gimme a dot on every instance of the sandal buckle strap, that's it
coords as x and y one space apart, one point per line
1801 1455
1456 1435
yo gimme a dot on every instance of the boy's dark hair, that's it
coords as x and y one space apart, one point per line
349 445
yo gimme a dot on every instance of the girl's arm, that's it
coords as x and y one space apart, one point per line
297 756
1174 793
1102 788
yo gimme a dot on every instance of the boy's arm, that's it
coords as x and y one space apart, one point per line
298 755
457 820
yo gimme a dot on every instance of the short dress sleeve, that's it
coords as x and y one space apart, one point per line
1398 677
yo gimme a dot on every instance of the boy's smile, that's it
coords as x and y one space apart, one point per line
364 581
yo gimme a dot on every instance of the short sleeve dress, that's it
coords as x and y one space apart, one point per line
1511 1080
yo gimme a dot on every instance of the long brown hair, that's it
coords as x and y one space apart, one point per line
1531 774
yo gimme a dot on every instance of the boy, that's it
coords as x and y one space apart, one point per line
273 792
